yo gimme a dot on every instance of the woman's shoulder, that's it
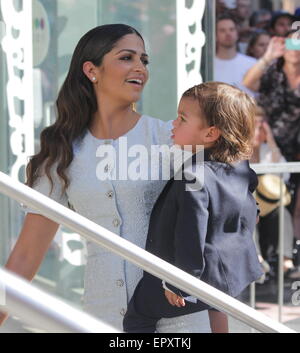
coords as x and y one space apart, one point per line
81 141
160 130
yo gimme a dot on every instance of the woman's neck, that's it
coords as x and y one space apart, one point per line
112 121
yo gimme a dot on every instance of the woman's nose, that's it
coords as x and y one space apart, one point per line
140 66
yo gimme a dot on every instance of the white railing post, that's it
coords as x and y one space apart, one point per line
280 255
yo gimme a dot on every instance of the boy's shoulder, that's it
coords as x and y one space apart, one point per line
208 173
236 172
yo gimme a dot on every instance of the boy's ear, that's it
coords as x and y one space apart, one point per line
213 134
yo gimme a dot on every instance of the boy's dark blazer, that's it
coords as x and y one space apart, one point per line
207 233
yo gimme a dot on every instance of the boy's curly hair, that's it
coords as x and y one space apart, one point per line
232 111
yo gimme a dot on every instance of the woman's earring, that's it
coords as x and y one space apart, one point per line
133 106
94 79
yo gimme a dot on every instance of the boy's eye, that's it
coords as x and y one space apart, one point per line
145 62
182 118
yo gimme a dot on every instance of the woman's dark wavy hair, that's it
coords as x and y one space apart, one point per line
76 104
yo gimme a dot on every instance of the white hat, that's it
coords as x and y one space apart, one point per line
268 193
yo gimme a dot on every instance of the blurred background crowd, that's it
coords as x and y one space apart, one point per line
259 51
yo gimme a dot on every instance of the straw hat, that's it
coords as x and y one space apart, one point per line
268 193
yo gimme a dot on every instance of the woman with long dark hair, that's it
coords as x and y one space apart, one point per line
276 77
258 44
95 109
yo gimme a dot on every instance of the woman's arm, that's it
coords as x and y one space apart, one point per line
32 245
274 51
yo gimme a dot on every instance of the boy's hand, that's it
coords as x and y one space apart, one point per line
174 299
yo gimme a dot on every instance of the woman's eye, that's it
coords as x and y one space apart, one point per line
127 57
182 119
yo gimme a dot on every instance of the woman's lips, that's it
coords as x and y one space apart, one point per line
136 85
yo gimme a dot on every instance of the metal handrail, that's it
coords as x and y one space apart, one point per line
276 168
39 309
158 267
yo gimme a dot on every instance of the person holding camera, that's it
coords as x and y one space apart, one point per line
276 76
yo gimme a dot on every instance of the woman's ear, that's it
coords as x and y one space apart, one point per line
90 71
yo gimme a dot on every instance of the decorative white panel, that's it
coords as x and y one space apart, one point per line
190 40
17 45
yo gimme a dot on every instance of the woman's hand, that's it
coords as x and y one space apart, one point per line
275 50
253 76
174 299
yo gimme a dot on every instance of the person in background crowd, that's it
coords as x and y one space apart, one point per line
265 150
261 19
242 14
230 66
297 13
221 7
281 23
276 76
258 44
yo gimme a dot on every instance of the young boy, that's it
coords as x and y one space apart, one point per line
206 231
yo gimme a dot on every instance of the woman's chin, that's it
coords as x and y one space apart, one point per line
135 97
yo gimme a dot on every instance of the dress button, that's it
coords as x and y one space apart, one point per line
110 194
120 283
116 222
106 168
123 312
